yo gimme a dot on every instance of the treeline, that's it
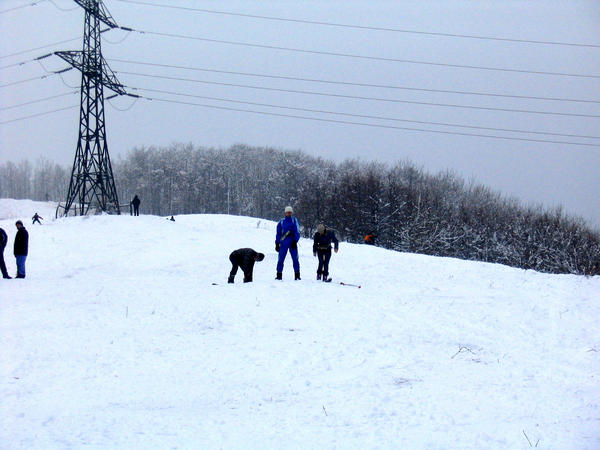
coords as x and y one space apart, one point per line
407 208
46 181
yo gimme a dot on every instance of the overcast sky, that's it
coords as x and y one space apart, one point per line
420 60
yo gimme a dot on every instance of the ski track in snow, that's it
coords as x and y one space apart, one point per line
119 339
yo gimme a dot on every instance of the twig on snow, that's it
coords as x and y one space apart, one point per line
324 410
460 349
526 437
530 444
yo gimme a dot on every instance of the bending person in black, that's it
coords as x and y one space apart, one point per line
245 259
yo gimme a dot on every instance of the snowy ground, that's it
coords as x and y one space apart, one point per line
117 338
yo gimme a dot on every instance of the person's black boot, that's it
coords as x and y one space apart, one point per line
297 276
318 276
278 277
230 279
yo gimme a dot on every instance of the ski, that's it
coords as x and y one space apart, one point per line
349 284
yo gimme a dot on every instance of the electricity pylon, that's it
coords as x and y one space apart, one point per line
92 182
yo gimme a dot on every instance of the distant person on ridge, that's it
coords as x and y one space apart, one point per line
36 218
136 205
287 237
3 242
21 248
243 258
370 239
322 248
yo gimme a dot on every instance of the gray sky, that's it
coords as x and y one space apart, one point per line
536 172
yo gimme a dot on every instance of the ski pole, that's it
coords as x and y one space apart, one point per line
348 284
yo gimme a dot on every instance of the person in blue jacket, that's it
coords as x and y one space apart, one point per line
288 235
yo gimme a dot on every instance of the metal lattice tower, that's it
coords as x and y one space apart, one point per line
92 182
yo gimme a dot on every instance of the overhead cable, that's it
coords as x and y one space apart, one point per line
367 57
30 79
39 114
39 48
33 3
372 124
363 27
38 100
348 83
63 9
357 97
365 116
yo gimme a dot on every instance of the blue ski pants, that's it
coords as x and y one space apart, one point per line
283 249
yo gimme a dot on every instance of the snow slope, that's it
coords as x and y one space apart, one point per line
117 338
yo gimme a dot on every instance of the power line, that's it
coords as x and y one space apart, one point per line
22 52
371 124
337 121
347 83
22 63
63 9
363 116
356 97
38 100
33 3
362 27
39 48
366 57
36 59
124 109
29 79
38 114
118 41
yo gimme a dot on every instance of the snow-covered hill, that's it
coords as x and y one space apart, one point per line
118 338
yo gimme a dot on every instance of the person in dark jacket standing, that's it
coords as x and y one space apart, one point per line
21 248
3 242
322 248
287 237
136 205
243 258
36 218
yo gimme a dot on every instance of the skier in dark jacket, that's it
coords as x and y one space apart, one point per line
136 205
21 248
3 242
36 218
287 237
322 248
245 259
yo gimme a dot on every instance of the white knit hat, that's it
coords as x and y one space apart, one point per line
289 209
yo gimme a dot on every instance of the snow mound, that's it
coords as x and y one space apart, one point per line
125 334
25 209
